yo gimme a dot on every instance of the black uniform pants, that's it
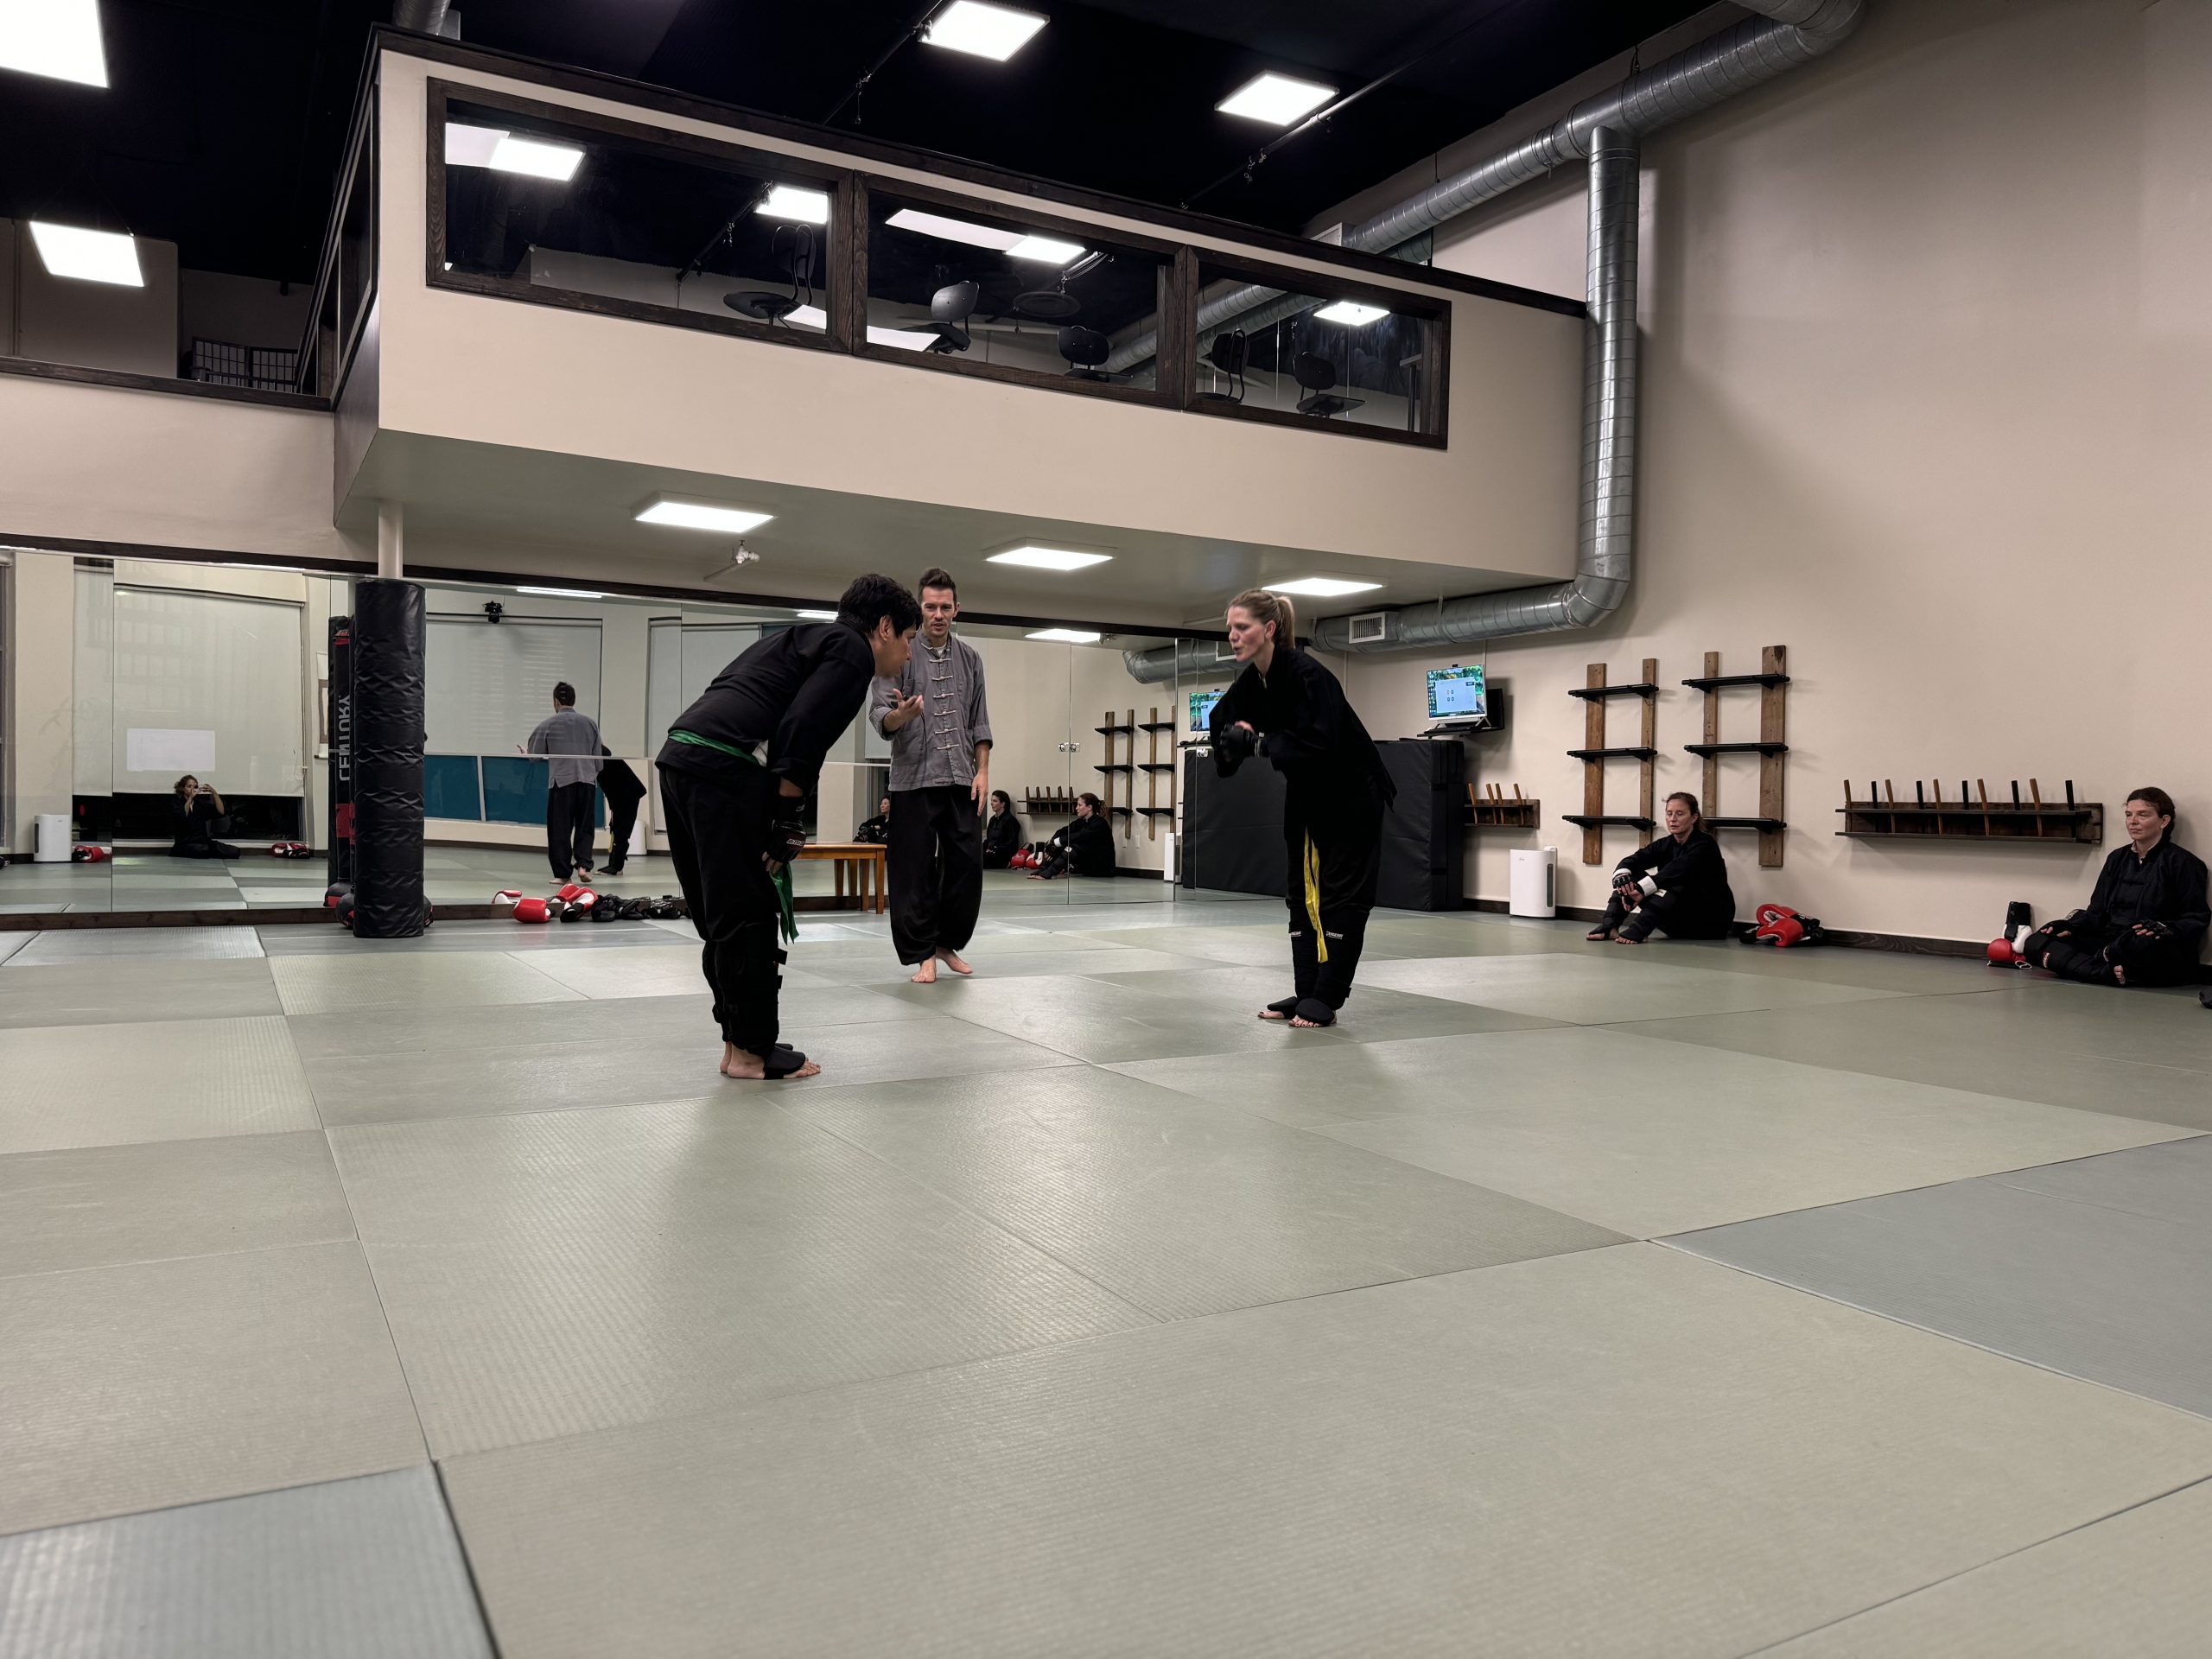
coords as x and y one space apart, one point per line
621 819
936 855
1671 913
1335 857
716 827
2089 952
567 827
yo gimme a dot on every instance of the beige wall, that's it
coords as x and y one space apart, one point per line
240 310
100 463
457 366
42 691
1928 378
92 325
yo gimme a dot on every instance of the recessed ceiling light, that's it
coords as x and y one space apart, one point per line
985 31
1067 636
468 146
58 38
562 593
89 255
790 202
1047 558
813 316
816 616
1277 99
1015 245
1352 313
701 515
534 158
1323 587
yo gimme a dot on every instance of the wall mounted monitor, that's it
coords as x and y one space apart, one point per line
1202 704
1456 696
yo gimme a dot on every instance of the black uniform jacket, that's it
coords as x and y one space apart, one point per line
795 691
2173 892
1309 733
1691 873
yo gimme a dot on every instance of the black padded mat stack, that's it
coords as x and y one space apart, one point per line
389 625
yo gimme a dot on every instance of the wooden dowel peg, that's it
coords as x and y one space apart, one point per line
2035 790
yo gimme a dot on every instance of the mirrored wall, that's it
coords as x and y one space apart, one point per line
197 745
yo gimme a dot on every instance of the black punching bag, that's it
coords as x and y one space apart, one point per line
388 734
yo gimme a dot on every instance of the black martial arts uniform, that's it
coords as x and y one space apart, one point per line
769 715
1002 840
623 791
198 821
1684 888
1334 791
1084 847
874 831
2164 893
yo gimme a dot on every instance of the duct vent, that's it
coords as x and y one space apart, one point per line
1368 630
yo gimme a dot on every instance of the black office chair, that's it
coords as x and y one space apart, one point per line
1084 349
1318 376
1228 353
950 308
763 305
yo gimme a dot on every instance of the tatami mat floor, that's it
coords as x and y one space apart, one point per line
437 1298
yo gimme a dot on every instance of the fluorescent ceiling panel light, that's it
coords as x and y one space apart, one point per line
58 38
789 201
467 146
808 317
533 158
984 31
1015 245
1276 100
562 593
816 616
89 255
1067 636
1352 313
906 340
1047 558
701 514
1324 587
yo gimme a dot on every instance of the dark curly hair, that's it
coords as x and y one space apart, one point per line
872 598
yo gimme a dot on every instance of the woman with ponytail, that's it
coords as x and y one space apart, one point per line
1286 706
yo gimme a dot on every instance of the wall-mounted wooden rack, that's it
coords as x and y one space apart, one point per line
1492 810
1593 754
1154 768
1883 816
1773 682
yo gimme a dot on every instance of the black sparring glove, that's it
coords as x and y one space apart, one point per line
1236 744
2156 930
787 837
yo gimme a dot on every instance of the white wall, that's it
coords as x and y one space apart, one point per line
92 324
1925 378
41 690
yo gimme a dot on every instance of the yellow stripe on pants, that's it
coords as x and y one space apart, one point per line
1313 898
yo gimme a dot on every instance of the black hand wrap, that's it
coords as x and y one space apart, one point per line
1236 743
787 837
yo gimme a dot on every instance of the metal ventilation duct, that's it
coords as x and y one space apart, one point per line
1605 129
427 17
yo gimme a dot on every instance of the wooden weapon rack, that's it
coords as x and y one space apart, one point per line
1594 694
1125 769
1154 768
1773 681
1882 815
1492 810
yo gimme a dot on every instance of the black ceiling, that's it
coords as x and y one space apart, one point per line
222 123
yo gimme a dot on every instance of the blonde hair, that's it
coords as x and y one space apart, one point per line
1263 607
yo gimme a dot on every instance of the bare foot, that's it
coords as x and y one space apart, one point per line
1269 1014
926 973
746 1066
1622 939
2118 975
952 959
1300 1023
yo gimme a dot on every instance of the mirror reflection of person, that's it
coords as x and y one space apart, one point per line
1677 886
624 790
1002 834
2146 917
1082 847
876 830
198 816
570 742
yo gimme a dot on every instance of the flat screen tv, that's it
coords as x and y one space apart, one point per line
1456 696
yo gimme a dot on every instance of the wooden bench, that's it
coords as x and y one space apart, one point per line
866 861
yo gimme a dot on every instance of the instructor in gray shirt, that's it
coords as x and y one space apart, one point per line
940 735
571 741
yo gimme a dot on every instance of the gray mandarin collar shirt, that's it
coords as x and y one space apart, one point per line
938 747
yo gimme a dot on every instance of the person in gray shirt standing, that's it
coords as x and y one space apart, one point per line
570 742
940 733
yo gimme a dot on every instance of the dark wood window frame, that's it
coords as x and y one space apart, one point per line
1434 312
362 154
586 125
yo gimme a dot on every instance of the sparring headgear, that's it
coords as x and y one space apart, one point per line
2002 955
1778 925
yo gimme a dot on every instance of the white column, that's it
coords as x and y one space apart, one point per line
391 538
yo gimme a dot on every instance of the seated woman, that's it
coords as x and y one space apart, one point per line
198 817
1085 847
1677 886
2147 914
876 830
1002 834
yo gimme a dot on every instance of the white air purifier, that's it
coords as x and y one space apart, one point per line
1532 888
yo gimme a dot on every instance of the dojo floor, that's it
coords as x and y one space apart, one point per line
407 1298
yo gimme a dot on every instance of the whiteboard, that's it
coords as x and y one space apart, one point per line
489 684
223 669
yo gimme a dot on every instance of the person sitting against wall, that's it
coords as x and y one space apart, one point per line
2146 916
1001 832
876 831
1084 847
199 816
1677 886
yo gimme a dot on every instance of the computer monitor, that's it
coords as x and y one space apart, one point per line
1202 704
1456 696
